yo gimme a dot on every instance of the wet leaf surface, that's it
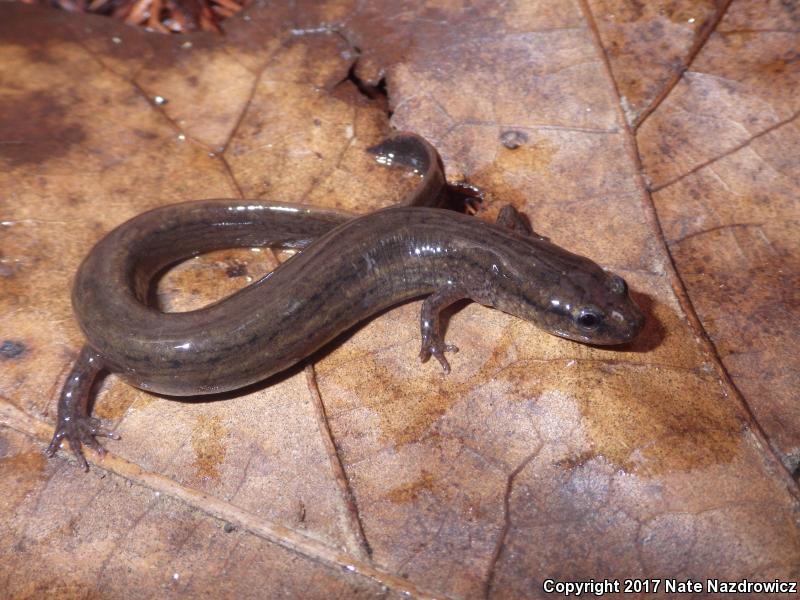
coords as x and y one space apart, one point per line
664 149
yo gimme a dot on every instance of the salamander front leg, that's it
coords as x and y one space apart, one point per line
511 218
74 423
433 343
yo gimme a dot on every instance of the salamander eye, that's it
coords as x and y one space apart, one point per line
617 285
589 319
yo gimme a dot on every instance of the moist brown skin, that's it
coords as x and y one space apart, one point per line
350 268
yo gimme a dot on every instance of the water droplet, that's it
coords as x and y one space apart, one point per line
513 139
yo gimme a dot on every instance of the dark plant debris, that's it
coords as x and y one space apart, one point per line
165 16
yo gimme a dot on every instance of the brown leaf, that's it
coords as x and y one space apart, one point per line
728 203
665 150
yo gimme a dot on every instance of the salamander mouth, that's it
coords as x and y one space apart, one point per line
619 338
575 337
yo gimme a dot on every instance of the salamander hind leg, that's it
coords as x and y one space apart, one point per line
463 197
74 423
433 343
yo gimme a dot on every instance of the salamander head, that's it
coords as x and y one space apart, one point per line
592 305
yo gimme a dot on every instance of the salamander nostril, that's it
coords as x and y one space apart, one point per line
617 285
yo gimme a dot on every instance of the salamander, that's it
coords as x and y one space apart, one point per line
348 268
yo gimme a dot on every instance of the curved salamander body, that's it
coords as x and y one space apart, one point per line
349 269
